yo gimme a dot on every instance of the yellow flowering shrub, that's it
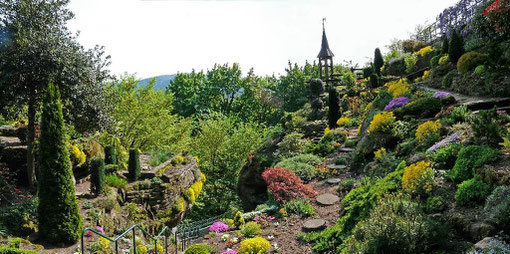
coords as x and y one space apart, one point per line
382 122
426 75
358 131
197 188
424 51
381 153
257 245
418 177
180 158
189 194
104 244
326 131
428 132
343 121
78 157
399 88
444 60
203 177
179 205
368 107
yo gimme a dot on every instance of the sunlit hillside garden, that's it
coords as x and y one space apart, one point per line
407 154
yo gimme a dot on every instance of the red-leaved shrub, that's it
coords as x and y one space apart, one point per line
284 185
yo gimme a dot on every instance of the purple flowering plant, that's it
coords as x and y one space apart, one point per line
454 138
441 94
218 227
229 252
263 219
398 102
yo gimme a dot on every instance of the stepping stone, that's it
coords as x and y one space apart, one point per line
334 180
337 167
314 225
327 199
346 149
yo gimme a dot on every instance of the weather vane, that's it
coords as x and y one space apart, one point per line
323 20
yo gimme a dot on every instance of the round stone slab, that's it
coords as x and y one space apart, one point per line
327 199
337 167
334 180
314 225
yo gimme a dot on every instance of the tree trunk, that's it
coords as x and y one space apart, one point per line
30 143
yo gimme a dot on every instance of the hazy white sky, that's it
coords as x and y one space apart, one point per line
155 37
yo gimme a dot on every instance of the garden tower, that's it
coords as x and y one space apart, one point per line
325 58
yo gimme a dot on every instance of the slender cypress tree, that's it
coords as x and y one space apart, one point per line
58 213
378 61
444 46
456 47
97 175
134 164
110 156
334 108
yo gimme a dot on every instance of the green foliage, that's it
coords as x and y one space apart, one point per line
444 45
346 185
472 192
59 216
471 158
458 114
299 206
410 61
396 225
143 119
378 61
487 128
251 229
374 80
303 165
334 107
341 161
474 44
134 164
448 79
424 107
470 60
455 47
497 207
115 181
97 175
327 144
197 249
238 219
8 250
480 70
19 219
291 145
110 155
444 158
223 147
434 61
256 245
434 204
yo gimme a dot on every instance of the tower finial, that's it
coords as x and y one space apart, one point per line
323 20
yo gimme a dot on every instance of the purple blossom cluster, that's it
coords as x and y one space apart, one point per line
458 17
441 94
454 138
398 102
501 112
263 219
229 252
218 227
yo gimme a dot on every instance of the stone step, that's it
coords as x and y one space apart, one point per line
327 199
314 225
337 167
334 180
346 149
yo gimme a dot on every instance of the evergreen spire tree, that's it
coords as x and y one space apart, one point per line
334 108
58 213
444 46
456 47
378 61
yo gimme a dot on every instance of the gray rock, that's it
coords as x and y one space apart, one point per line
483 243
327 199
481 230
334 180
314 225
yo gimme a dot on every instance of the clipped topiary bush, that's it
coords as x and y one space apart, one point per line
447 80
470 61
471 158
59 215
480 70
497 207
443 60
434 204
251 229
97 176
238 219
434 61
423 107
256 245
110 155
378 61
197 249
472 192
134 164
455 47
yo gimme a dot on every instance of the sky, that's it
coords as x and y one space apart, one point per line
157 37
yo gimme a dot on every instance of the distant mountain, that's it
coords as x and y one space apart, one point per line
161 81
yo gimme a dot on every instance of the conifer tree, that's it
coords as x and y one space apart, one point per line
444 46
334 108
456 47
58 213
110 156
378 61
134 164
97 175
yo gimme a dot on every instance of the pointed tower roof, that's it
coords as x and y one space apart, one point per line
325 51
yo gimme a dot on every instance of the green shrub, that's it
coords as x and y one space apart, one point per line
111 168
444 60
299 206
374 80
326 145
472 192
305 171
458 114
346 185
444 158
487 128
251 229
434 61
18 219
59 215
334 107
197 249
475 43
97 175
341 161
435 204
134 164
115 181
410 61
469 159
455 47
448 79
110 155
396 225
497 207
470 60
444 45
292 145
378 61
480 70
257 245
424 107
7 250
238 219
